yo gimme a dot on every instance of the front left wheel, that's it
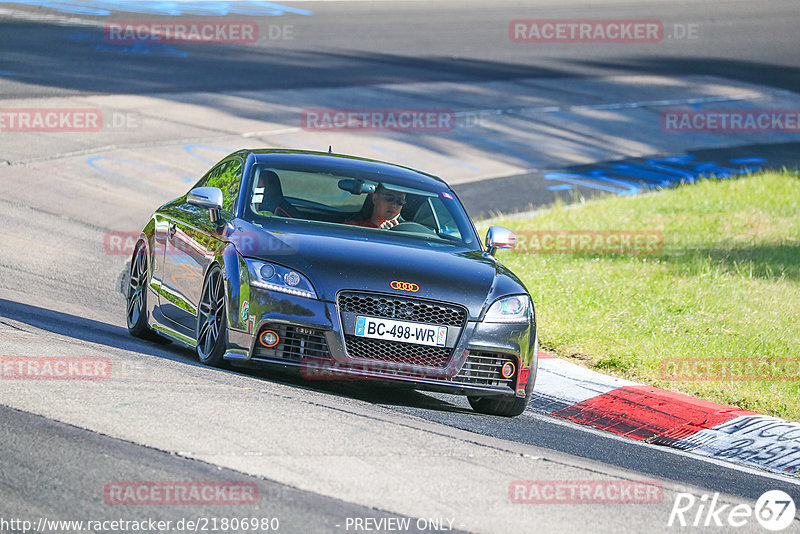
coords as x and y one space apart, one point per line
212 326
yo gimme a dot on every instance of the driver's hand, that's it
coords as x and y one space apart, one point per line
390 223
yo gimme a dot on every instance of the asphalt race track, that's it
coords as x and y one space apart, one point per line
534 122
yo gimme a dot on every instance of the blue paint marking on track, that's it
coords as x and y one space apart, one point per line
91 161
580 179
143 48
104 8
617 178
633 178
186 179
188 148
744 161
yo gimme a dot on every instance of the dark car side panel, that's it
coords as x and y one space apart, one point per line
184 266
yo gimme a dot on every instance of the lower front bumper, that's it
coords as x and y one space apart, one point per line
321 370
474 367
463 383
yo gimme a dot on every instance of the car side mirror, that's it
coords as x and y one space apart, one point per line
207 197
500 237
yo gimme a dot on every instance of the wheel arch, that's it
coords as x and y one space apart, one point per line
236 283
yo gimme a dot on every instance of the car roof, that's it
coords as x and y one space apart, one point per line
351 165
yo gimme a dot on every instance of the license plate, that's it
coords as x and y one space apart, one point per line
403 331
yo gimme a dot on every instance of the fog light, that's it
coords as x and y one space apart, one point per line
508 370
269 338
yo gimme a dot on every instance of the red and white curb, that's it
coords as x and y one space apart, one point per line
661 417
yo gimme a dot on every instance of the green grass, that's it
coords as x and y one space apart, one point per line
726 286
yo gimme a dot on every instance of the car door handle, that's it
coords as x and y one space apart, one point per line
172 230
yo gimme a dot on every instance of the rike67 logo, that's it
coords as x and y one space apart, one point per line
774 510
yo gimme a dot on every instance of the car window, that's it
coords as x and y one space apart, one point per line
345 200
321 189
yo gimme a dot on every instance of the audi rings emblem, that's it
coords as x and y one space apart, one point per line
404 286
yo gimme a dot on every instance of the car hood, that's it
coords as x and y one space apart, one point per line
349 260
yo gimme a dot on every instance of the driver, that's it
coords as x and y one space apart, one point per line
381 209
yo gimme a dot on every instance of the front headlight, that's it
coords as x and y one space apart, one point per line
279 278
514 309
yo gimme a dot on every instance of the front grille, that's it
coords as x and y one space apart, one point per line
296 344
403 309
483 369
395 352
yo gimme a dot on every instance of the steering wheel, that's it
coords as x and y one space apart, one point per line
413 227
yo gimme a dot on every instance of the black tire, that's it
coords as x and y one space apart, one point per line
212 325
136 302
503 406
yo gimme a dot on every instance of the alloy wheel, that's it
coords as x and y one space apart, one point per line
211 315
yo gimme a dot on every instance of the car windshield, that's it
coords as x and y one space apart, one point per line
350 200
